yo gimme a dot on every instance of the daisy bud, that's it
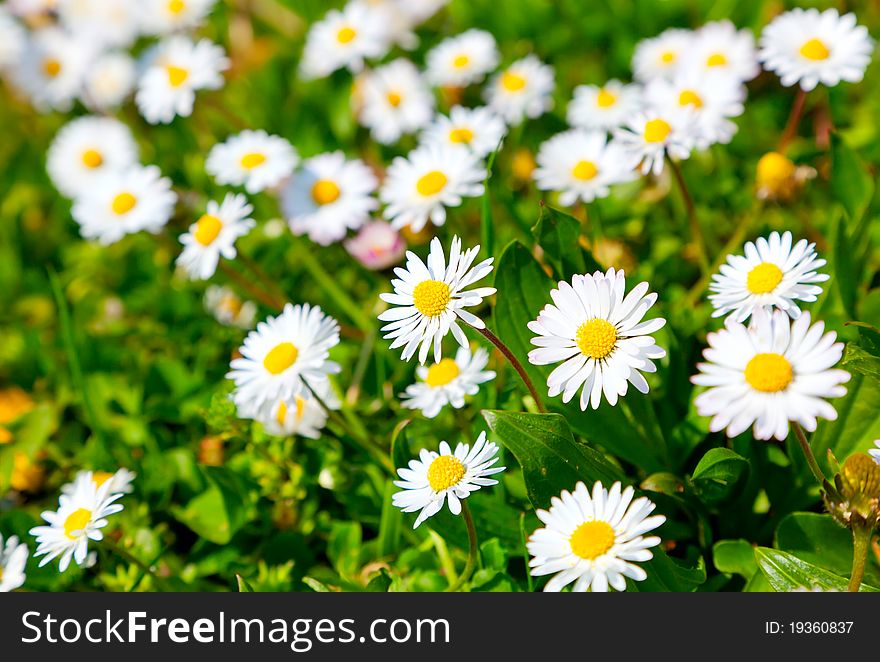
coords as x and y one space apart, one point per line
858 503
377 246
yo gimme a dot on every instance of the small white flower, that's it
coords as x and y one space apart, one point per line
279 354
662 56
120 481
252 159
522 90
228 308
52 68
178 69
447 382
429 299
772 274
448 477
13 39
582 165
594 541
124 202
462 60
107 23
607 107
393 100
13 559
80 517
721 49
808 47
214 235
650 136
345 39
596 331
478 129
162 17
875 452
109 81
329 196
85 150
301 416
420 187
768 374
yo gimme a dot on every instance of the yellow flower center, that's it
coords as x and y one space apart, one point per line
815 49
51 67
584 170
346 35
657 130
123 203
440 374
394 98
461 135
592 539
774 169
431 183
445 471
176 75
716 60
430 297
76 522
764 278
176 6
325 191
605 99
690 98
252 160
461 61
101 477
596 338
207 229
512 82
667 57
280 358
92 158
768 373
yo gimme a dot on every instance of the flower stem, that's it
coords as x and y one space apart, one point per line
125 555
794 119
492 338
808 454
258 293
265 281
472 549
861 542
696 230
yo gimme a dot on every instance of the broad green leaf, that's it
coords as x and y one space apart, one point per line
857 424
669 575
861 360
380 582
787 572
846 268
221 510
851 184
550 457
390 524
735 557
718 473
559 234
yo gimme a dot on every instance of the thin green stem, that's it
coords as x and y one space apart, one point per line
694 223
264 279
492 338
335 290
808 454
861 543
794 120
125 555
261 295
472 549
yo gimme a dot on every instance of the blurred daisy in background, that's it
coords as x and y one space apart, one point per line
478 129
447 382
607 107
420 187
124 202
214 235
13 559
119 481
807 47
344 38
649 137
37 13
329 196
447 477
13 38
279 354
52 68
179 68
582 165
377 245
598 334
228 308
252 159
769 373
109 81
106 23
161 17
303 417
594 540
85 150
522 90
720 49
393 100
772 274
662 56
429 299
462 60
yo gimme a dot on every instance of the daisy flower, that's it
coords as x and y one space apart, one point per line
721 49
120 481
650 136
429 299
377 245
252 159
303 417
448 381
875 452
462 60
662 56
13 559
228 308
87 149
109 81
445 476
107 23
329 196
214 235
179 68
13 38
478 129
599 336
808 47
344 38
582 165
35 12
420 187
522 90
772 274
80 517
161 17
607 107
280 354
394 100
124 202
769 373
594 540
52 68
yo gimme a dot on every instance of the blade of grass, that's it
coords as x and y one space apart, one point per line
487 225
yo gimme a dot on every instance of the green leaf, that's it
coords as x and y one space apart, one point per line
858 359
668 575
851 184
243 586
559 234
718 473
344 547
380 582
857 424
390 523
735 557
786 572
845 267
550 457
315 585
221 510
400 452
